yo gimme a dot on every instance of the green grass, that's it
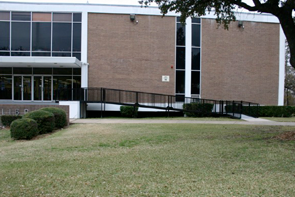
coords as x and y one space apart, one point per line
285 119
150 160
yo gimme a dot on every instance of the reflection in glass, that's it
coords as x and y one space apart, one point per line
180 58
20 36
27 88
4 16
21 16
62 17
5 87
37 88
180 82
62 86
77 17
4 35
196 35
41 36
195 87
77 37
47 88
61 37
180 34
17 88
195 59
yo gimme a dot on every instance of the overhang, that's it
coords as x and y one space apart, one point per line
40 62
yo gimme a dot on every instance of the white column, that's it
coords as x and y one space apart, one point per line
84 48
281 68
188 56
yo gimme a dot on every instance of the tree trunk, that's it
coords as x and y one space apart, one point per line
288 26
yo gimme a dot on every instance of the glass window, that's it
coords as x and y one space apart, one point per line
5 70
61 37
195 87
21 16
77 17
4 35
196 20
20 53
196 35
62 71
180 81
41 54
22 70
5 16
61 54
180 58
20 36
76 71
5 87
63 17
62 87
42 71
41 36
180 34
45 17
77 55
4 54
195 59
77 37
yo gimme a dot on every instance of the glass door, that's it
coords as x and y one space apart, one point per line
47 88
22 88
18 84
38 88
42 88
27 88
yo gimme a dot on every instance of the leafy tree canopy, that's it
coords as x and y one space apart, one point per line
224 10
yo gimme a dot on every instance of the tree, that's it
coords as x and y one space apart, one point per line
224 10
289 79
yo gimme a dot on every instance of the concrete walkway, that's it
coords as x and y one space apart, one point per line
249 121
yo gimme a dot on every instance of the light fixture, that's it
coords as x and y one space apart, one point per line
132 17
241 24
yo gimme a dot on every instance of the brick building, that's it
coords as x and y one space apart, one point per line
47 50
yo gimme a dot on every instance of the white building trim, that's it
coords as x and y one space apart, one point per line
188 57
281 68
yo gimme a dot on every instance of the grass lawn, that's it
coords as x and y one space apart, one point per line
290 119
150 160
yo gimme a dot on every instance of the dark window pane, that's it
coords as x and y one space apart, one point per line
77 37
195 88
77 71
41 54
77 17
180 34
178 19
41 36
77 55
76 87
195 59
5 70
20 54
62 87
4 35
64 17
42 71
22 70
196 20
179 98
6 87
61 37
20 36
180 58
4 54
21 16
62 71
196 35
61 54
180 81
5 16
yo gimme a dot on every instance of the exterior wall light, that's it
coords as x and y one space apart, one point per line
241 24
132 17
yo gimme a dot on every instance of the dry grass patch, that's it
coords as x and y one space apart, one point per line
150 160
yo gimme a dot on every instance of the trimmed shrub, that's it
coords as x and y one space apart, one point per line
44 119
24 128
8 119
267 111
59 116
198 109
128 111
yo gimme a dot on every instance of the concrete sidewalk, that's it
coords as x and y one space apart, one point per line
252 121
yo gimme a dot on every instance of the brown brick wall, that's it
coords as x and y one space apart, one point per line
240 64
123 55
9 109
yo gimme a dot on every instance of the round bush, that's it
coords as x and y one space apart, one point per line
59 115
44 119
24 128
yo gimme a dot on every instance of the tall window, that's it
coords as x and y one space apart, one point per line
196 56
180 60
40 34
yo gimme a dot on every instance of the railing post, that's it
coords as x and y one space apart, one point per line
233 104
136 97
101 98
